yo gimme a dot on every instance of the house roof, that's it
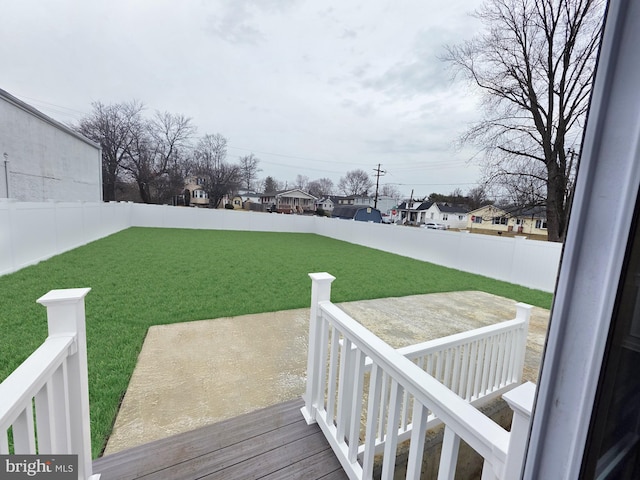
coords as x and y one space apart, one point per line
446 208
283 193
422 206
37 113
538 211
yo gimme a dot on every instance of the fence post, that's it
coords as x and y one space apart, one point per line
320 292
520 399
523 312
66 317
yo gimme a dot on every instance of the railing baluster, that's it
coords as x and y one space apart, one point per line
512 356
486 367
345 389
61 440
356 406
495 347
471 371
449 455
404 418
333 374
439 362
456 370
500 362
446 380
24 440
322 367
478 373
391 440
416 447
4 442
45 421
373 410
384 407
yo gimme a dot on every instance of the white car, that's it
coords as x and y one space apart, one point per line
434 226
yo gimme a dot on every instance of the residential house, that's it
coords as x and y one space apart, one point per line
527 220
43 159
488 217
249 197
193 194
326 203
412 213
530 220
289 201
451 216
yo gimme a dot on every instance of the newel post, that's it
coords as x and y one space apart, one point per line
320 292
520 399
66 317
523 313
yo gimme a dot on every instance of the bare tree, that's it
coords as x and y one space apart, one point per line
301 182
271 185
220 178
321 187
477 197
114 127
535 66
249 170
355 182
392 191
159 146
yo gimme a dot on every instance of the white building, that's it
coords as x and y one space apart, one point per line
42 159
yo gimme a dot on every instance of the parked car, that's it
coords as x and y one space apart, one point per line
434 226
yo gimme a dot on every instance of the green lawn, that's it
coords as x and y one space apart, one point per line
148 276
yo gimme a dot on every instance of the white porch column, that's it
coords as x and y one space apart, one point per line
66 317
320 292
520 399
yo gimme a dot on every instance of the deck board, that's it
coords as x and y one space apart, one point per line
270 444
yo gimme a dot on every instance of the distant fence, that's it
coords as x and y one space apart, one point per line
34 231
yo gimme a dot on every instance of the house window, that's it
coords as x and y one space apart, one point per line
445 216
431 215
477 219
460 217
541 224
499 221
519 221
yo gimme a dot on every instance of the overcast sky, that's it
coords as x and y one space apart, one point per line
311 87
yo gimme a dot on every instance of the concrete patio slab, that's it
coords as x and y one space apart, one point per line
196 373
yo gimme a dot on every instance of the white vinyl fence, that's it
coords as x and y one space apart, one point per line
34 231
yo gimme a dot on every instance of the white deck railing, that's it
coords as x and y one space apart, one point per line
367 396
44 403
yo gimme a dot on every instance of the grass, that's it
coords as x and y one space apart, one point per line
148 276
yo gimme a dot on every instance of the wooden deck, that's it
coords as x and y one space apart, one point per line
272 443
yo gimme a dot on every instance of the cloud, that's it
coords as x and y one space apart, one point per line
233 24
235 21
349 33
362 109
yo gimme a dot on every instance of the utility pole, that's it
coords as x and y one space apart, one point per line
379 173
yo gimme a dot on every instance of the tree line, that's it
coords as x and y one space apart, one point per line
155 155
